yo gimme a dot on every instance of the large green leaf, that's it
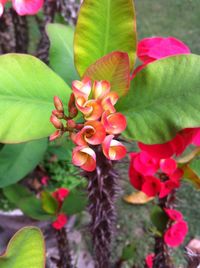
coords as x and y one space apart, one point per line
103 27
114 68
25 249
74 203
27 88
61 53
17 160
27 202
163 99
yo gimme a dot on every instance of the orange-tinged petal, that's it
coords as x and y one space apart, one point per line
113 149
114 123
93 133
84 157
82 88
100 89
109 101
96 111
81 104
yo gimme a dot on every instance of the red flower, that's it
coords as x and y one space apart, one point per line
61 194
145 164
60 222
175 235
173 214
149 260
151 186
167 187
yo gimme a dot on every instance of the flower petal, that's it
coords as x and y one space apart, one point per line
84 157
113 149
114 123
27 7
100 89
82 88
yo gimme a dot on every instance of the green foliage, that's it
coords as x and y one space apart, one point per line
17 160
128 252
114 68
61 54
25 249
49 204
27 89
163 98
159 218
74 203
103 27
26 201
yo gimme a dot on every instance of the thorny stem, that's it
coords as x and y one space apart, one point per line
102 192
65 260
162 257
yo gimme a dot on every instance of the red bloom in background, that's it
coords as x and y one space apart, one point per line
61 194
175 235
145 164
60 222
174 214
149 260
151 186
155 48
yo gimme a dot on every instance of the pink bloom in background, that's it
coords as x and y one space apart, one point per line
149 260
155 48
60 222
23 7
174 214
44 180
175 235
61 194
145 164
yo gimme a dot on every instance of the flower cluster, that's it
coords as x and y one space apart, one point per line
60 196
96 103
175 234
23 7
101 123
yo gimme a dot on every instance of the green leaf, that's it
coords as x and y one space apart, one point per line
17 160
129 252
103 27
159 218
49 204
26 201
163 99
27 89
25 249
74 203
61 53
114 68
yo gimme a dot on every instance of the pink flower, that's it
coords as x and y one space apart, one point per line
60 222
174 214
155 48
2 3
175 235
136 179
149 260
151 186
61 194
145 164
44 180
114 123
84 157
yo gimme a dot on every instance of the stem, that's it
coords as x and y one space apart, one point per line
49 10
162 257
102 192
64 249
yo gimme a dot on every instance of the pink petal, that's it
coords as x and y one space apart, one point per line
168 166
113 149
27 7
175 235
167 187
84 157
114 123
145 164
100 89
151 186
82 88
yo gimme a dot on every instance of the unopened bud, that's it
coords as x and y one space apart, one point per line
58 114
56 122
58 104
73 112
71 124
55 135
79 126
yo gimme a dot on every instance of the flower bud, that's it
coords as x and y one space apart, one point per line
71 124
58 104
55 135
73 112
56 122
58 114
